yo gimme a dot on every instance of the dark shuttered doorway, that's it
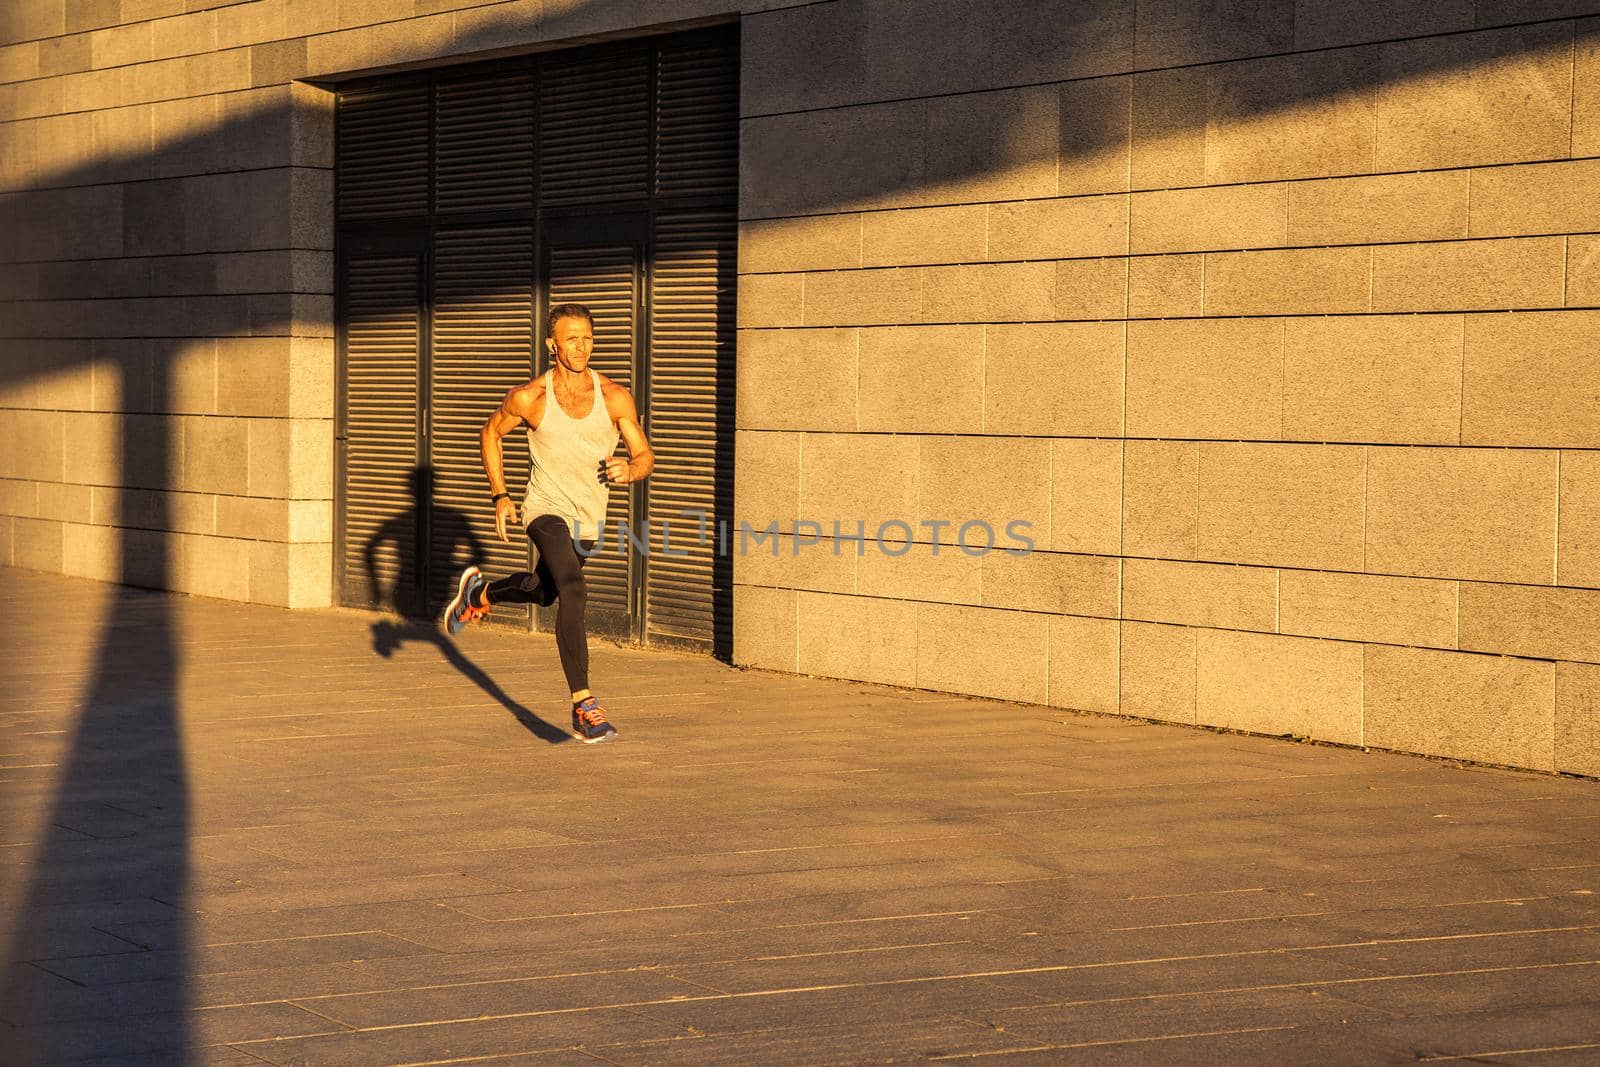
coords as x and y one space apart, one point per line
469 201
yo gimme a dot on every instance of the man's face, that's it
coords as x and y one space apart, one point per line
572 342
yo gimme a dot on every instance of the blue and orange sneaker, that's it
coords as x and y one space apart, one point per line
463 607
589 722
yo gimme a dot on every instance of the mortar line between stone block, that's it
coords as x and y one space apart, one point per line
1555 555
983 378
1366 477
1572 90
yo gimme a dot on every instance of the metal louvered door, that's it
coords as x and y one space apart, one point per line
688 596
472 198
688 585
588 263
380 343
482 336
483 321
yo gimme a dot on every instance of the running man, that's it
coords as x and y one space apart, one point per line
574 416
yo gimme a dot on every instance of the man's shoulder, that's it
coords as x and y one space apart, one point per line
615 393
523 399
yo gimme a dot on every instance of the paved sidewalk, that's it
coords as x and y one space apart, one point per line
326 838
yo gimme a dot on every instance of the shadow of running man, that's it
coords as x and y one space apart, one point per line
448 543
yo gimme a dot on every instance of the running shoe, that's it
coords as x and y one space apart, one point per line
589 722
462 609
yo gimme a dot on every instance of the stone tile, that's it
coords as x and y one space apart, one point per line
1482 514
1054 378
996 480
994 146
246 517
1225 217
87 551
121 45
1388 379
1526 377
916 236
1091 289
1054 40
1175 32
37 544
766 477
1265 683
923 49
867 297
865 157
1058 229
982 651
1084 664
1539 622
921 379
1158 671
254 376
1583 271
85 15
801 58
183 34
1359 21
1055 582
1425 206
1578 522
279 62
1469 275
797 379
1368 607
1296 116
863 638
771 300
290 458
1296 281
1200 594
1165 286
990 292
765 635
1488 708
212 566
858 476
1206 379
1095 136
1496 96
899 569
1169 128
1535 198
1086 496
1284 505
1577 720
1160 498
290 575
797 560
819 242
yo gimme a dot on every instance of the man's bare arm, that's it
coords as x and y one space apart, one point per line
641 460
515 408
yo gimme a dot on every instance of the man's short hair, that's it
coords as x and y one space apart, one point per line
566 311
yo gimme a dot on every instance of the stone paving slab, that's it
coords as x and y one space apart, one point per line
232 834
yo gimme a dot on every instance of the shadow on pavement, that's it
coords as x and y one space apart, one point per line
388 635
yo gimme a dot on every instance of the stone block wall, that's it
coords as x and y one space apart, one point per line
1277 321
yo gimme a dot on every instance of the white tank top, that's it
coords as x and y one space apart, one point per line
564 479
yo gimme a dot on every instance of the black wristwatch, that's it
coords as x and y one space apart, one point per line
496 498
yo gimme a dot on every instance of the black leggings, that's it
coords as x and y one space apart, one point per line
556 578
